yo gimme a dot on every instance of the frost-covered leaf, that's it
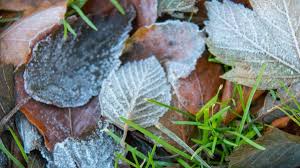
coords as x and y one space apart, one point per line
178 45
171 6
67 73
98 150
146 11
282 150
57 124
246 39
16 41
30 136
124 91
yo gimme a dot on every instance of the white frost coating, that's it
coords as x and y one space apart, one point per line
192 45
247 39
123 93
171 6
30 136
97 151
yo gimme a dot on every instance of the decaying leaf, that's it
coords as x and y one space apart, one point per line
178 45
56 124
16 41
171 6
7 100
98 150
30 136
248 39
124 91
282 150
67 73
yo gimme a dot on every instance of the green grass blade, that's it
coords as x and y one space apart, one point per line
18 144
84 17
247 108
187 114
250 142
67 27
183 163
118 6
10 156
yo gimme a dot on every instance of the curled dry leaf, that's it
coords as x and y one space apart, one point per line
67 73
56 124
24 33
246 39
282 150
124 92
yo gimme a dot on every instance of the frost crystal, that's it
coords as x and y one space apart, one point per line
67 73
124 91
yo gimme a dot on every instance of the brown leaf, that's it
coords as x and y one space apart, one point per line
281 122
24 33
56 124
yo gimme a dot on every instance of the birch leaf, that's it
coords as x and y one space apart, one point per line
246 39
123 93
68 73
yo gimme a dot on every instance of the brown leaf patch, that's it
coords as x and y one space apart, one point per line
16 41
56 124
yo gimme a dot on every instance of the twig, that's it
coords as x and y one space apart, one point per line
8 116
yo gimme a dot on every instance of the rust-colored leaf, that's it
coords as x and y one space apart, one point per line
56 124
281 122
16 41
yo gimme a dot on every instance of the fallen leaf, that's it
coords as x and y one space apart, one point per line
146 12
27 6
124 92
67 73
281 122
24 33
282 150
56 124
97 150
31 139
175 42
171 6
269 112
178 45
246 39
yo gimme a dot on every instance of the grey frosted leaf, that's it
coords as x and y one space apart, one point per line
123 93
171 6
247 39
30 136
96 151
67 73
282 151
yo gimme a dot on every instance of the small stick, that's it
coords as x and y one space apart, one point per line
8 116
122 142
